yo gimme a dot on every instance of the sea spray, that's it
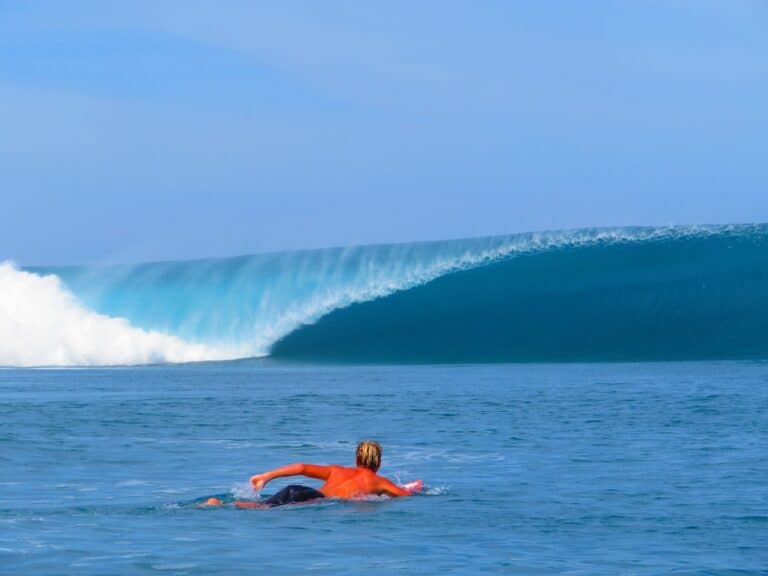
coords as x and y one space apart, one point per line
43 324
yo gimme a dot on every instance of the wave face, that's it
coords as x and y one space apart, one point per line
608 294
673 296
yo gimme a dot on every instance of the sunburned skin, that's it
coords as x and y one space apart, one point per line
345 483
340 481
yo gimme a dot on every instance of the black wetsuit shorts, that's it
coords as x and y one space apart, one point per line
293 494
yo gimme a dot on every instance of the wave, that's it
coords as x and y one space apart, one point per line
597 294
43 324
694 296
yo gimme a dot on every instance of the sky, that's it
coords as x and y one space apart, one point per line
133 131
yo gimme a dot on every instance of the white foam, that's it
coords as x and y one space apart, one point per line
43 324
436 490
243 491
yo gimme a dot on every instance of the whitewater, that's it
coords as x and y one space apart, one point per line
254 306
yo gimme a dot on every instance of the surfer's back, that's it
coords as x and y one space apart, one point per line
350 483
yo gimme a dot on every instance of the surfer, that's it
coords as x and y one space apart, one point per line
340 481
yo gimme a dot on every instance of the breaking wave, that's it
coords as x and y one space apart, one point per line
43 324
598 294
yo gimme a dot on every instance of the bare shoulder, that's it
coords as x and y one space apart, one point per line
336 469
382 478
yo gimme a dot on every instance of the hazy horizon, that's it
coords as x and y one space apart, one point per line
135 131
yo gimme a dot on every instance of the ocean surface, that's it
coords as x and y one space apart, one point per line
616 294
578 402
570 468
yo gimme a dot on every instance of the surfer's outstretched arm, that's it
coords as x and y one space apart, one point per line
258 481
384 486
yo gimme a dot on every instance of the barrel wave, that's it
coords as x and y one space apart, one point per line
675 297
592 295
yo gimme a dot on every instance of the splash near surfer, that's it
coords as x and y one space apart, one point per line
341 482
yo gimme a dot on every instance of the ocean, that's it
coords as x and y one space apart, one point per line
639 468
578 402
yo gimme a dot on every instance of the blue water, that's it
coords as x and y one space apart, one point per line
621 294
669 297
644 468
588 467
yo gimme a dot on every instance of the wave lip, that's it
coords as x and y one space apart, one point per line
699 295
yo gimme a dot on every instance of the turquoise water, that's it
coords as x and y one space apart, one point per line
674 296
620 294
645 468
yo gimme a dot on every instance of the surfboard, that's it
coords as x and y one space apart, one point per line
413 486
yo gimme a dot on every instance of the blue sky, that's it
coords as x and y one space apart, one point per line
158 130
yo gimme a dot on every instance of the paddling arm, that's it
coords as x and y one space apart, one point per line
258 481
390 489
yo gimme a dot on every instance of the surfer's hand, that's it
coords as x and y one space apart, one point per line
414 487
258 481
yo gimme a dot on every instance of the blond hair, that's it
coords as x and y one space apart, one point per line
368 455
